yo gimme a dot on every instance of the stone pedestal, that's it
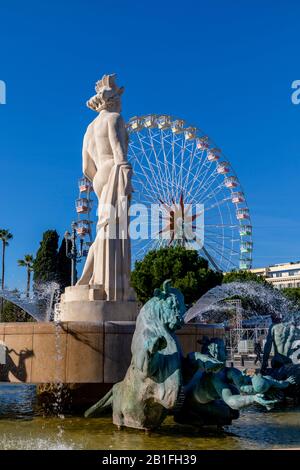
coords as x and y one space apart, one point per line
86 303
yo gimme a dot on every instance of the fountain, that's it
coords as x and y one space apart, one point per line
86 352
207 307
39 305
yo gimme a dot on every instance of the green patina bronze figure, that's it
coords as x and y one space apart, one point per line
197 389
214 397
284 339
153 384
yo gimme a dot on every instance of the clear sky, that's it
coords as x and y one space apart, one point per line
226 66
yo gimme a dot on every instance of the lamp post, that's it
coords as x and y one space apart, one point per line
73 254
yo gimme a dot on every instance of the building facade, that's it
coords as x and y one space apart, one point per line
281 275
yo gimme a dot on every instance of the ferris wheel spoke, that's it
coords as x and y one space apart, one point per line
207 167
211 259
150 168
216 235
146 246
213 193
143 186
142 183
166 165
146 188
215 205
182 154
189 171
221 254
199 174
214 242
213 190
202 189
158 166
166 177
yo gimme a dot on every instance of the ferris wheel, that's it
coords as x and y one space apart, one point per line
179 169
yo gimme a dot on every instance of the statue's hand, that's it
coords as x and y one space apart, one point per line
269 404
154 345
291 380
248 389
206 363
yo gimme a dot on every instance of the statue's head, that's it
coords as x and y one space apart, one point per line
168 306
108 95
214 347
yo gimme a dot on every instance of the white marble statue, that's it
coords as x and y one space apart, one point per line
105 165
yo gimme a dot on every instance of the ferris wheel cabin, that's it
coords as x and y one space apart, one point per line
190 133
85 185
83 205
246 247
223 168
83 227
213 155
164 122
245 263
246 230
150 121
202 143
136 123
242 214
177 126
237 197
231 182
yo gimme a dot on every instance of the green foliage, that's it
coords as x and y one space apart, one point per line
64 265
26 262
243 276
51 263
5 236
187 270
45 264
293 294
13 313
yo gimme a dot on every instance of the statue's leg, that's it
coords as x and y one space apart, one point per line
88 269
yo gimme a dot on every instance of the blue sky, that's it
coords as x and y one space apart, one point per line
226 66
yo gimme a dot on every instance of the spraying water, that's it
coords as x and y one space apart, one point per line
209 308
40 304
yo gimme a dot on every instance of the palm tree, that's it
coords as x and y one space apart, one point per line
27 263
5 235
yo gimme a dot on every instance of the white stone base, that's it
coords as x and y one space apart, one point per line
85 303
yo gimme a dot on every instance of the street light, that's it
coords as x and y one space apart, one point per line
73 254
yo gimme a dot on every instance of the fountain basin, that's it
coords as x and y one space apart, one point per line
88 357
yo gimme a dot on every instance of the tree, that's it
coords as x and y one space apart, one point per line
188 271
243 276
293 294
45 263
13 313
5 236
64 264
27 262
